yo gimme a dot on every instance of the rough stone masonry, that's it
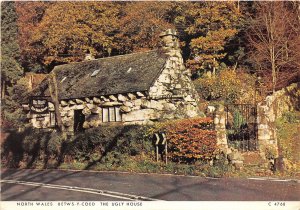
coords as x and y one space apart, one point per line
138 88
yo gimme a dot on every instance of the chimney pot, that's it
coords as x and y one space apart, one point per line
168 32
89 57
169 40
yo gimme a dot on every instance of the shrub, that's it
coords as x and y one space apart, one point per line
229 85
105 144
53 145
271 152
41 142
288 135
11 110
189 139
128 139
290 117
30 143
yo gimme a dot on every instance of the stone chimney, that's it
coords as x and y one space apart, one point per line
169 40
89 57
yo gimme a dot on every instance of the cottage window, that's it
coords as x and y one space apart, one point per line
111 114
118 114
52 119
105 115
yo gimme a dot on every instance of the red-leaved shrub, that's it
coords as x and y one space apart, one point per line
190 139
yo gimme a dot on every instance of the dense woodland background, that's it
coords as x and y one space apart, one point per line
238 52
230 47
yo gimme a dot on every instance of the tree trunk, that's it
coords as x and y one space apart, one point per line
298 12
274 79
54 96
235 66
214 69
271 30
3 84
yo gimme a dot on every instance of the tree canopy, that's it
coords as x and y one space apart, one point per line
68 30
213 35
59 32
210 25
274 37
11 70
140 24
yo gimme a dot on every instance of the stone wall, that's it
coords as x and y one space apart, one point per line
171 96
286 99
268 111
130 106
272 108
174 89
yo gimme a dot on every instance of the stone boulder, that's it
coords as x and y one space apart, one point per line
63 103
78 101
125 109
235 156
128 104
86 111
140 115
122 98
131 96
153 104
236 159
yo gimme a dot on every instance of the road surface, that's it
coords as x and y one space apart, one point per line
63 185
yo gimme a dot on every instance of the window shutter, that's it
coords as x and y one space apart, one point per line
112 115
118 114
105 115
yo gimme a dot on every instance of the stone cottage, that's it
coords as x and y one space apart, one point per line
136 88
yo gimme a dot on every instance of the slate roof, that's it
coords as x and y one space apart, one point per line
106 76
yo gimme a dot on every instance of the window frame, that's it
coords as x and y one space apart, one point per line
116 114
52 118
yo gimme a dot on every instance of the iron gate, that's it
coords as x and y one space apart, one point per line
241 126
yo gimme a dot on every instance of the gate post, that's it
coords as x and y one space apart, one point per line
220 126
266 126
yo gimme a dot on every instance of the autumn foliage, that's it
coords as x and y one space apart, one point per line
51 33
228 85
274 42
190 139
212 25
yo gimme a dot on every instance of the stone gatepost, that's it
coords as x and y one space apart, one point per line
272 108
220 127
233 156
266 134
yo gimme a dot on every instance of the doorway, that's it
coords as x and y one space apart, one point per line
79 119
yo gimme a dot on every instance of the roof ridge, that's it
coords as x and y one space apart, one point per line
122 55
86 61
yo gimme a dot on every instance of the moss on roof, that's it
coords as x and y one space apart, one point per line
105 76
